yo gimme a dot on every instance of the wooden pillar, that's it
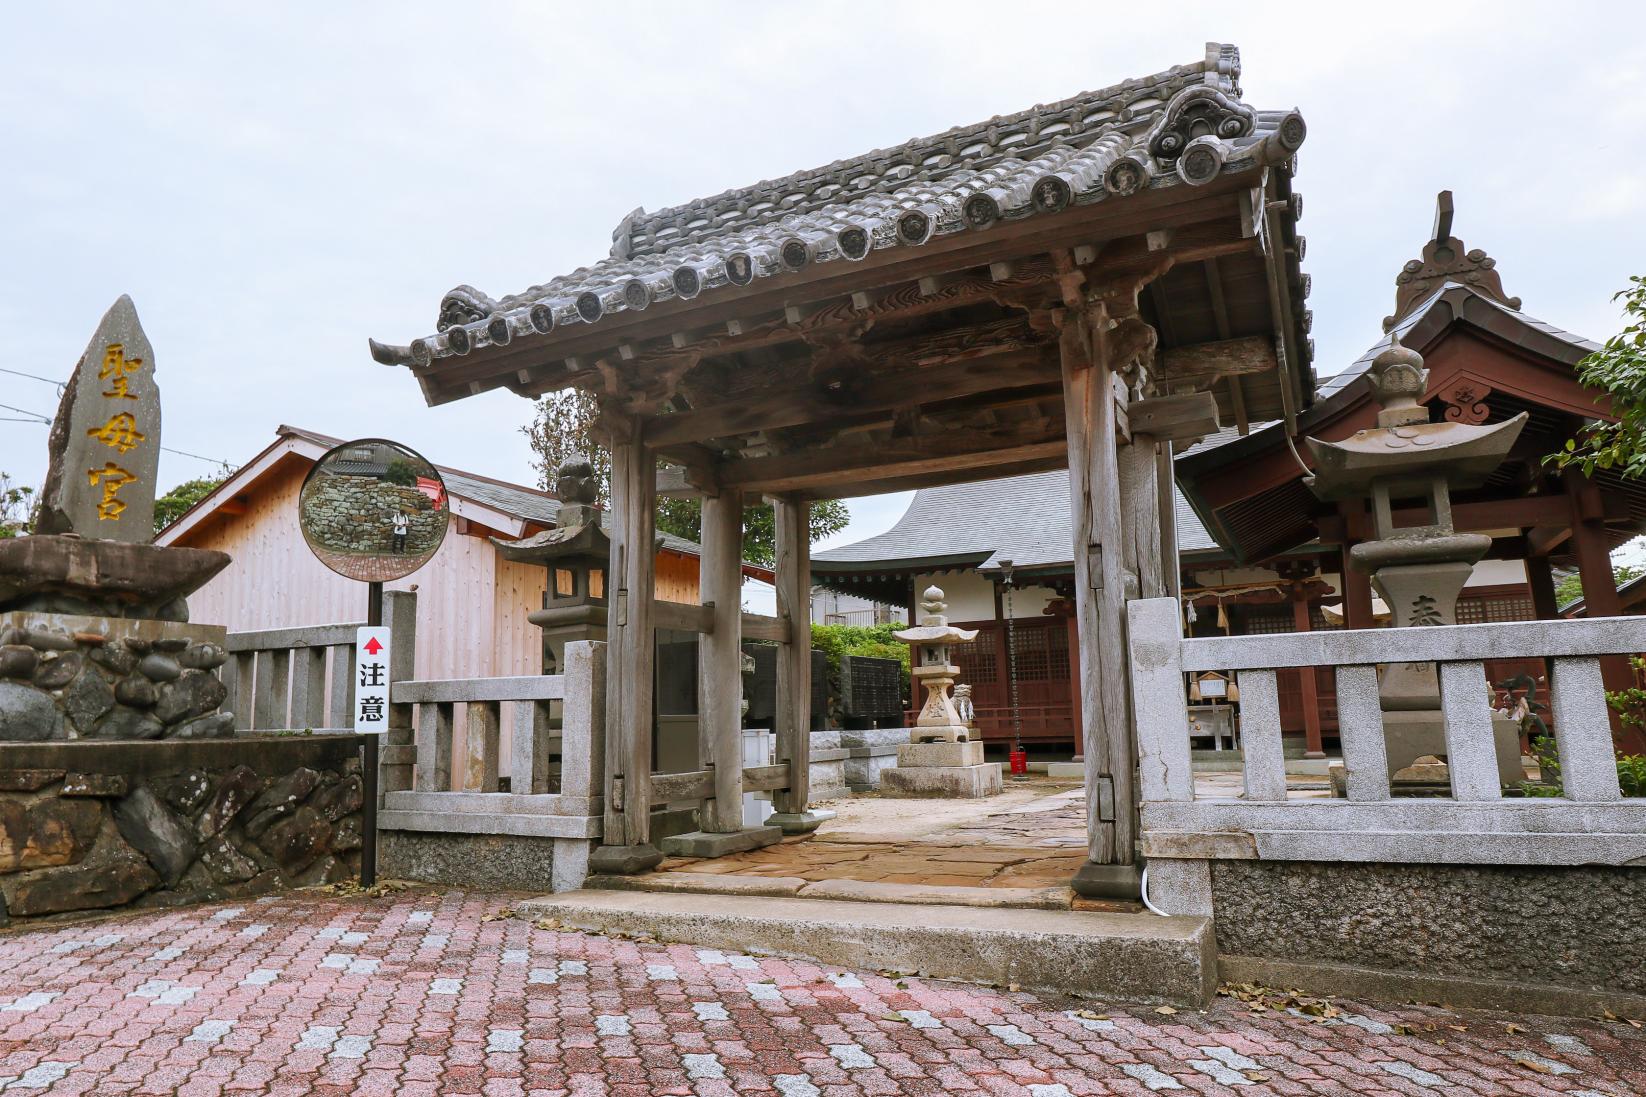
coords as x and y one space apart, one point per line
1312 745
794 662
1140 516
1357 585
630 643
1100 592
1540 578
720 659
1166 480
1600 599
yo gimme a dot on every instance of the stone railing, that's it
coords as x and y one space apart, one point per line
1590 823
542 800
291 679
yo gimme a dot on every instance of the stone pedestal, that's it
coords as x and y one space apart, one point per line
942 782
1412 734
947 770
73 677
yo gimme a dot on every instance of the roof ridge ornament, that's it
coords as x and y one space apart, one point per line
1445 260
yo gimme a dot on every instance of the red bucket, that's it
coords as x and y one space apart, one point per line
1019 763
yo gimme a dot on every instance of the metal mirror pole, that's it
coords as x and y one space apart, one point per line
368 762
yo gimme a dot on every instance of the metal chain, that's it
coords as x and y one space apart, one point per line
1011 667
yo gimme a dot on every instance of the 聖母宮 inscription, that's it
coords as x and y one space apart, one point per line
105 442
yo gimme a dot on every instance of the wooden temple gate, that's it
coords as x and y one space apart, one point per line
1079 285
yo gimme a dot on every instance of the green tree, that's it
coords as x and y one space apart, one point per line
402 472
172 505
16 507
1570 589
562 427
1619 370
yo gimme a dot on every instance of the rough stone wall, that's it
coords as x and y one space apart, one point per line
97 826
356 514
1568 926
56 683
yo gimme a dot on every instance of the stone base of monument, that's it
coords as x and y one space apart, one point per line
946 770
702 843
963 782
1411 735
873 751
73 677
92 825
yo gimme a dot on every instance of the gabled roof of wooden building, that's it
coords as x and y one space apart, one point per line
512 510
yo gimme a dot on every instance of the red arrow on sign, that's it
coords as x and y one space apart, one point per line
373 647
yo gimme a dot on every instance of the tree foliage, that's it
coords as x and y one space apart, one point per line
1570 589
172 505
1618 369
562 427
16 507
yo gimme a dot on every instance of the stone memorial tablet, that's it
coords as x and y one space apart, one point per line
105 442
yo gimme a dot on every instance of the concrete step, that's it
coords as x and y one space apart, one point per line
865 891
1134 957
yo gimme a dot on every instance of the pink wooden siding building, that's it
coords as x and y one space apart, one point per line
471 602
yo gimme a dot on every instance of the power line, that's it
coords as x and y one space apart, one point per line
25 411
35 377
45 420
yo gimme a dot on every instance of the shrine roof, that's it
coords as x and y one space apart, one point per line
1141 134
1024 519
1258 517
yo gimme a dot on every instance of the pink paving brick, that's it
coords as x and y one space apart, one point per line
503 1008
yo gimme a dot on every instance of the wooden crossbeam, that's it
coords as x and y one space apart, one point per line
1185 418
798 405
813 469
1203 364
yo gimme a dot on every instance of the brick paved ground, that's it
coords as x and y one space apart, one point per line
418 994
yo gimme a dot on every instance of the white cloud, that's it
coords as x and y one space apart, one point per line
275 184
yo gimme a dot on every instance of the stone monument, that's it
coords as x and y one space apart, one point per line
1419 570
94 639
97 653
940 758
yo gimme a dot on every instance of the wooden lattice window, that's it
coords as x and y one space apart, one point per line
1495 607
1035 660
976 660
1268 622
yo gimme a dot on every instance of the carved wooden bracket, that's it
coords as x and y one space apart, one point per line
1466 402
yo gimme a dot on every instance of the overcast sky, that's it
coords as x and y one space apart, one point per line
273 183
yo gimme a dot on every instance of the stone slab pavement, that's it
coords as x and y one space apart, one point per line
429 991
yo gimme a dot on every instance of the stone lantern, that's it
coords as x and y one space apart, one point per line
1418 569
941 758
575 553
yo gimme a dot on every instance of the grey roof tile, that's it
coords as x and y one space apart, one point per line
1024 519
1181 126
